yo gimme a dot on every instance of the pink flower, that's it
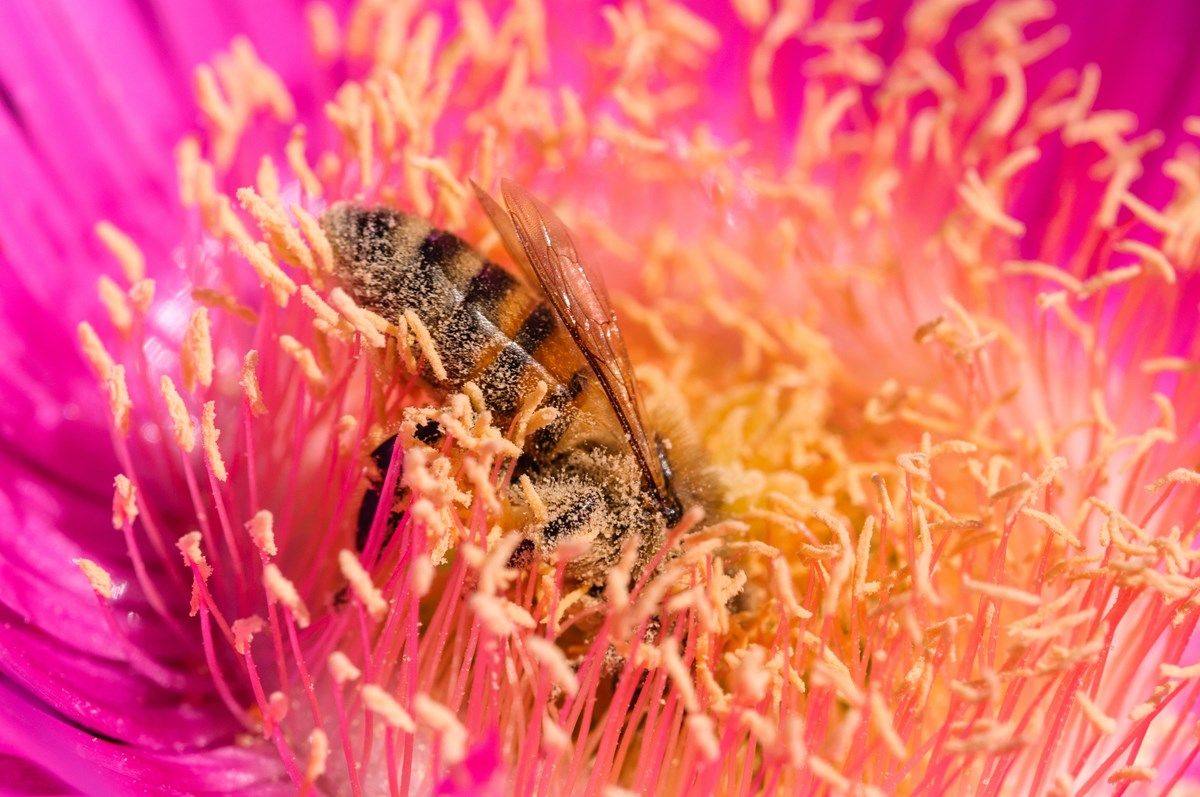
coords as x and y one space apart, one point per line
917 279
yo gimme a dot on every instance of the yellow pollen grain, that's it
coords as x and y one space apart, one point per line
281 590
555 662
360 582
1013 164
1046 271
1118 184
1157 365
881 719
885 498
116 302
785 24
1053 524
862 560
451 733
1008 108
425 342
385 120
554 738
124 503
315 303
277 707
492 614
389 710
219 300
1109 279
752 13
342 669
420 575
443 175
526 413
128 254
678 673
141 295
360 319
624 137
762 728
244 631
318 755
916 465
1177 476
209 435
1069 318
751 679
181 420
828 774
196 352
984 203
119 403
650 600
189 548
1133 774
1099 720
364 141
1151 257
279 231
187 164
1018 487
1175 671
843 568
307 362
702 732
323 31
1002 592
97 576
298 162
258 255
94 351
249 383
317 240
211 101
266 180
922 567
536 504
475 395
1149 216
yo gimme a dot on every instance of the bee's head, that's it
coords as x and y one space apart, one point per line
687 479
669 503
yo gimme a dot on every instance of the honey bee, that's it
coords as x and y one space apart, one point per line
600 467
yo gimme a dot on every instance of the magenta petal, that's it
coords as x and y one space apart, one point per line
480 774
96 765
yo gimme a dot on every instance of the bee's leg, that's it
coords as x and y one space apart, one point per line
430 433
366 518
522 556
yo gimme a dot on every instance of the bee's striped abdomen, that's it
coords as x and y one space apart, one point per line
487 327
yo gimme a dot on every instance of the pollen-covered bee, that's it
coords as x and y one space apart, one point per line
599 467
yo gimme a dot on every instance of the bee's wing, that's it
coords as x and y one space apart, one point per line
543 247
508 233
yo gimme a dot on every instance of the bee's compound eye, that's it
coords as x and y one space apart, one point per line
671 507
672 510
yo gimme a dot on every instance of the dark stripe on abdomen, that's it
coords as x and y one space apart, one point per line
488 288
562 398
501 381
536 328
441 248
